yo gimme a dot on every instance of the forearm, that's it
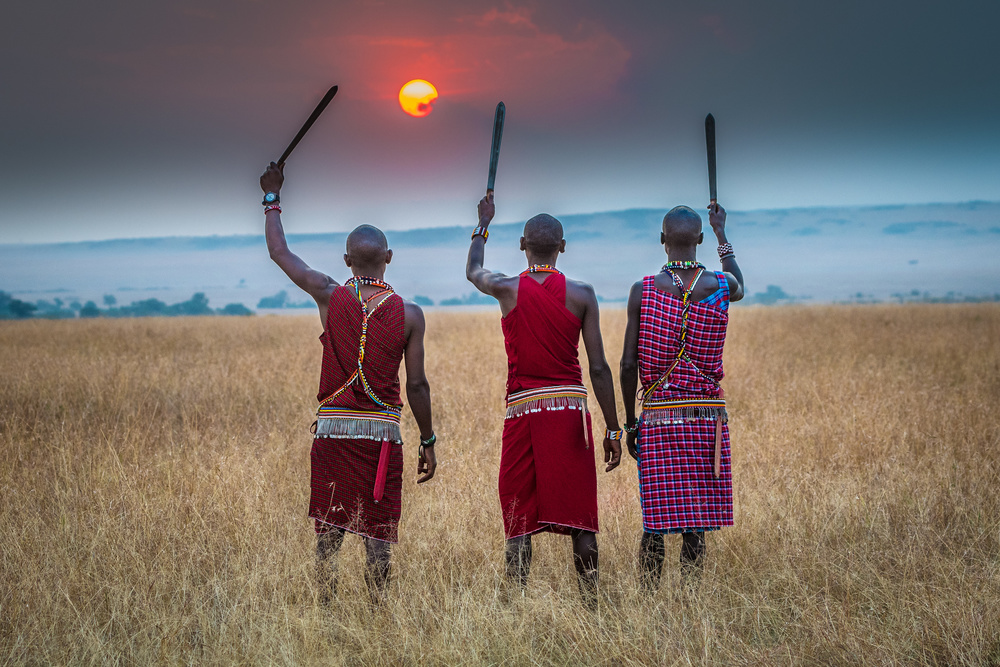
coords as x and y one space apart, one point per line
629 378
477 254
604 390
274 234
729 264
419 396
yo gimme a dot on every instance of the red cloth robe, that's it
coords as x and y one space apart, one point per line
548 479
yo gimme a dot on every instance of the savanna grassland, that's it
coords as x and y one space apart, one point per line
154 483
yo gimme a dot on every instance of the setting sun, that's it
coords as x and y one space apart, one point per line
416 97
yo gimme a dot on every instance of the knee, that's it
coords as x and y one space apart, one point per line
328 543
585 540
377 551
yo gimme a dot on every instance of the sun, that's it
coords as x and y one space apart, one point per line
417 96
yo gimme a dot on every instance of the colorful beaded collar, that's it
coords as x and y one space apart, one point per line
669 266
541 268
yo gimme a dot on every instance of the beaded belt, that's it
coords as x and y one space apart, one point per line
668 412
558 397
682 410
335 422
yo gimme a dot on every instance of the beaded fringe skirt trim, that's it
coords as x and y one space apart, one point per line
334 422
671 412
558 397
561 397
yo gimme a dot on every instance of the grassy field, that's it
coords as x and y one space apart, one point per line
154 483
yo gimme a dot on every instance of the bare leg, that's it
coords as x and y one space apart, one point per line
377 568
651 557
585 559
517 558
327 546
692 556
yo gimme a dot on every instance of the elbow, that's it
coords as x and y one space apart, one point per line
275 254
599 371
417 386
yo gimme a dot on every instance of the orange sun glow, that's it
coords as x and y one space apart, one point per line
416 97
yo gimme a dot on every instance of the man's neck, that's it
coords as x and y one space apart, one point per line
537 260
378 274
682 254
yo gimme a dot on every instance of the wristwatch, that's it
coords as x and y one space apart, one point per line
271 198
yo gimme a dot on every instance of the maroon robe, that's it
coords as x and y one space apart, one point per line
344 470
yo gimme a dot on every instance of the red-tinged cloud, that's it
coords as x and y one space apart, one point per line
478 59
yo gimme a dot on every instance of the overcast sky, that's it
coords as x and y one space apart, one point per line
122 118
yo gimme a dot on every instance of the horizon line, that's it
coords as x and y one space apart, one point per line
499 224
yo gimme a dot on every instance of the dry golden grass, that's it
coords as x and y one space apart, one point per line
154 477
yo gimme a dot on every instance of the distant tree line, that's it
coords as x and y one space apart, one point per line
280 300
16 309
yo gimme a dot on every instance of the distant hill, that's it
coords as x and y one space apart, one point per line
813 255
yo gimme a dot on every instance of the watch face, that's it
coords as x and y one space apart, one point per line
270 197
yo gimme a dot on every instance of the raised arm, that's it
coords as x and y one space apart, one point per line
629 370
418 390
600 375
315 283
497 285
717 218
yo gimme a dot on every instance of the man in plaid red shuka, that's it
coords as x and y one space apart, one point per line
673 342
357 455
548 481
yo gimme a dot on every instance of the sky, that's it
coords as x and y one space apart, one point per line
128 119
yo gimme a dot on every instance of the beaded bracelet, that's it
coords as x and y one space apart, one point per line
632 427
613 435
481 231
429 442
272 207
726 250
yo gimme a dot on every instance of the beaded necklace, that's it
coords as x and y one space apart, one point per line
541 268
366 312
682 265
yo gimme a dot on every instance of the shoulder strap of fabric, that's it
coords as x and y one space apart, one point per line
723 284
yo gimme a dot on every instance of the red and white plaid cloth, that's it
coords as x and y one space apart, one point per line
677 486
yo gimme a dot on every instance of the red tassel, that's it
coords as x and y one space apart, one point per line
383 470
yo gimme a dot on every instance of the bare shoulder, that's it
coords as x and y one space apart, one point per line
581 298
502 281
412 312
580 288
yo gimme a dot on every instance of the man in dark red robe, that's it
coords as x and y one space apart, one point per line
548 480
357 458
674 337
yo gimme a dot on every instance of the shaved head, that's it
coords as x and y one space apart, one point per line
681 227
543 234
367 248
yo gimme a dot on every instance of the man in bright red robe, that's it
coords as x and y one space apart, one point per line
548 480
